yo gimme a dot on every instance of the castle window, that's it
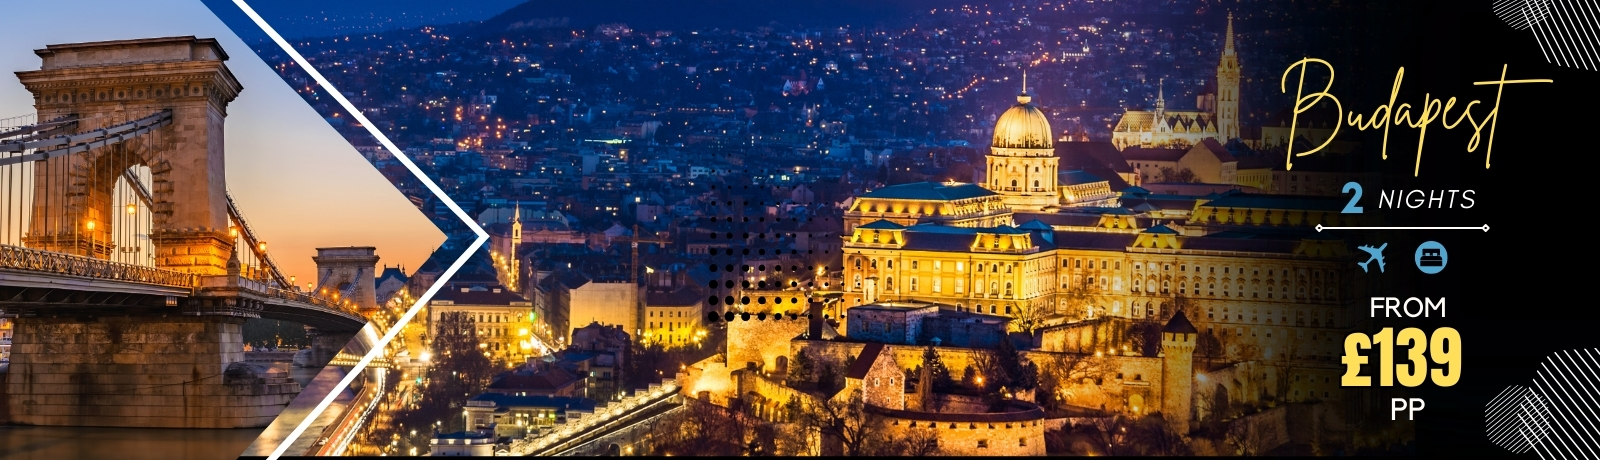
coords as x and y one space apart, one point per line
913 284
913 265
1008 288
960 266
983 444
1022 442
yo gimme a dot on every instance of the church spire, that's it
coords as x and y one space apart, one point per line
1227 109
1227 47
1022 97
1161 92
1161 97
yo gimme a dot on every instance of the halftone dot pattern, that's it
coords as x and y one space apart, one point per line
760 268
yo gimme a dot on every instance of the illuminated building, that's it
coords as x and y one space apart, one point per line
1263 296
1022 164
671 318
503 319
1162 128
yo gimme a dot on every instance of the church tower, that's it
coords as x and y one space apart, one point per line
1228 89
1022 158
1177 371
1159 120
516 238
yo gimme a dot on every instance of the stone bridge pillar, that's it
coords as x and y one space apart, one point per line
324 346
167 371
350 272
110 83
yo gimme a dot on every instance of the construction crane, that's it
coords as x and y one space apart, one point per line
634 240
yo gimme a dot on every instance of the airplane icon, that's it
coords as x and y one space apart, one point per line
1374 254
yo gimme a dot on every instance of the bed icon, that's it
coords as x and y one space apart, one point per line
1431 257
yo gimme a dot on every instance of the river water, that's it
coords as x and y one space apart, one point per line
71 443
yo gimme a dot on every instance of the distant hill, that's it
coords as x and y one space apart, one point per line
706 14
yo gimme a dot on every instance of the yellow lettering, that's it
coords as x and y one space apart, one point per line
1304 102
1494 114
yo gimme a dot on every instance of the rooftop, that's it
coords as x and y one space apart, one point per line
930 191
559 403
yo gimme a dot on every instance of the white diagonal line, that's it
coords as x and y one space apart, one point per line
1560 36
1585 21
1583 393
1575 40
1568 405
1562 433
399 155
1536 39
1549 35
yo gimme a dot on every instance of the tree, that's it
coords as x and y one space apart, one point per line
1184 175
1005 366
829 379
841 419
801 369
1030 317
1155 437
942 382
922 443
459 352
1080 299
1145 337
702 428
1060 371
1244 437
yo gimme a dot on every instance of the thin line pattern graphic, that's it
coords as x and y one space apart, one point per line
1568 31
1556 416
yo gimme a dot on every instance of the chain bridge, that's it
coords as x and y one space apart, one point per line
124 263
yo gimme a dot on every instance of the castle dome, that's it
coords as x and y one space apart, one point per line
1023 126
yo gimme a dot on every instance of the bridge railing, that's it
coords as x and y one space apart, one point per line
323 302
20 258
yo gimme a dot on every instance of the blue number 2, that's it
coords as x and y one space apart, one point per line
1351 208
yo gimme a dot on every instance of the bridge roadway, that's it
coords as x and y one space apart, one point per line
623 417
35 282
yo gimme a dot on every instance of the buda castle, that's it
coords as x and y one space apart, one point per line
1064 254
